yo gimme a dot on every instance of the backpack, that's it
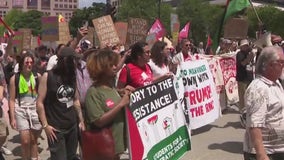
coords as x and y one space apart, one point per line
17 79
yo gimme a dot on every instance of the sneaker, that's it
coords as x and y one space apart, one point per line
6 151
243 120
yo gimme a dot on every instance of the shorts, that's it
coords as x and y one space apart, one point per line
27 118
3 127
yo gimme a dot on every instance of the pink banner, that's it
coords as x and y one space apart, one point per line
158 29
184 32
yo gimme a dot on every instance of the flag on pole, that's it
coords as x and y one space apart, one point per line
209 41
6 26
184 32
61 18
158 29
232 7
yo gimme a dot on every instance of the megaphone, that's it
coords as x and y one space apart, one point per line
264 40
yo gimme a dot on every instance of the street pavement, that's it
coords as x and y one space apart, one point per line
221 140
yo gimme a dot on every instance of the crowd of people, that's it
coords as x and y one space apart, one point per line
80 87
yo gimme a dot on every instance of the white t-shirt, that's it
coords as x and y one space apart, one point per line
51 62
158 71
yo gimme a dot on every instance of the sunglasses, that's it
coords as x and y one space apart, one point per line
27 63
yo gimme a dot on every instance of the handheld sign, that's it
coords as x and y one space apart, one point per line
137 30
50 28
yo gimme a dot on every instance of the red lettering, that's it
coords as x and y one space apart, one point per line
197 111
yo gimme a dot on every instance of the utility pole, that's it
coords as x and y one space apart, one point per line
159 9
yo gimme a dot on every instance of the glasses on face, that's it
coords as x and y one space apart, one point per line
29 62
187 45
279 62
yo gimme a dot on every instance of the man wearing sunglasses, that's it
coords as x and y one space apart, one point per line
184 54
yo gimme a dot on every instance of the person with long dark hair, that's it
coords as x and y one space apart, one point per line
59 108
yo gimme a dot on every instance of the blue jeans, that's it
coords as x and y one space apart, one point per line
66 145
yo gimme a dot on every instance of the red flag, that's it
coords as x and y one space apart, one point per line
158 29
209 41
38 40
184 32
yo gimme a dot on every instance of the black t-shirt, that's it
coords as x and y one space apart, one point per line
59 109
242 74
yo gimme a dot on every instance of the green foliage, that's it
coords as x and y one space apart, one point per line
203 17
271 17
146 9
11 17
30 19
86 14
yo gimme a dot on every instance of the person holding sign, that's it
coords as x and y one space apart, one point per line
159 59
185 54
265 107
141 73
104 106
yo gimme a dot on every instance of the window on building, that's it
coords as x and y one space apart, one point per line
65 0
75 6
56 5
65 5
18 3
70 6
70 0
32 3
75 1
60 5
45 3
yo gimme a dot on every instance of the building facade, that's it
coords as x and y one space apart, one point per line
48 7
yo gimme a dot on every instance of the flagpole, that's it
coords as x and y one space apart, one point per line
255 12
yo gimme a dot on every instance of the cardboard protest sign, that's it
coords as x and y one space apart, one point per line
236 28
50 28
105 30
159 130
64 33
137 30
27 37
121 29
201 99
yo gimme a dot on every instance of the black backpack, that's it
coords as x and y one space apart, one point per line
17 79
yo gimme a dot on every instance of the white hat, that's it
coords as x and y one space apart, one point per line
282 43
244 42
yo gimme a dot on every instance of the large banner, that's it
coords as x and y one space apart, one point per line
157 128
50 28
201 99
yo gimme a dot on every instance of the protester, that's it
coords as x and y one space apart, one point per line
42 59
140 71
184 54
22 103
200 48
104 106
264 103
244 75
159 61
59 107
53 59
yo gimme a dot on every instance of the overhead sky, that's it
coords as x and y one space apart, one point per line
87 3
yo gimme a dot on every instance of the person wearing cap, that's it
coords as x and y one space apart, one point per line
59 107
244 75
265 107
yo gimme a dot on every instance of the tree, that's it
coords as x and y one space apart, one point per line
30 19
271 17
86 14
146 9
203 17
10 19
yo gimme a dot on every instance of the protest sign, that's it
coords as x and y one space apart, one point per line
64 33
151 39
175 28
236 28
105 30
159 122
121 29
201 99
137 30
27 37
50 28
